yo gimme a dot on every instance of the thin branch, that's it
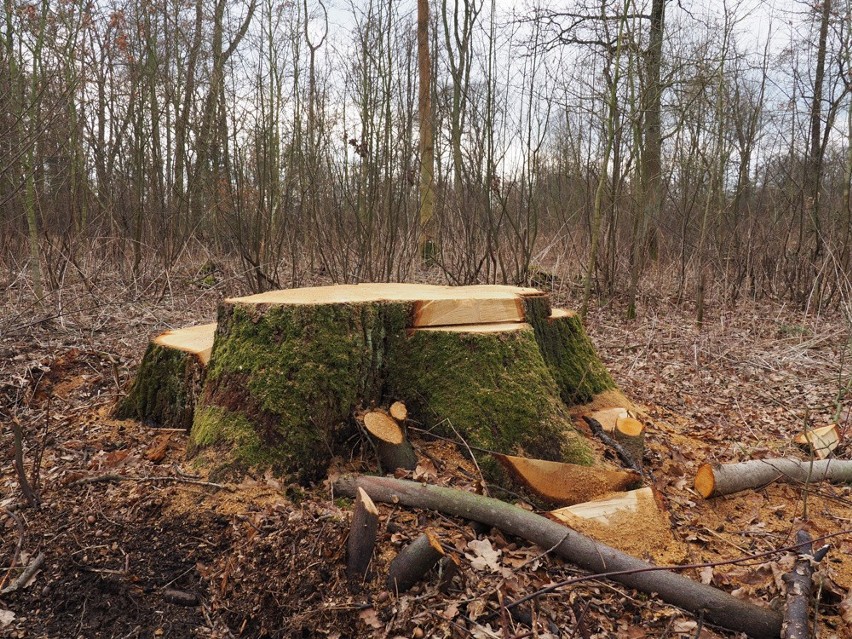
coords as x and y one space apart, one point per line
100 479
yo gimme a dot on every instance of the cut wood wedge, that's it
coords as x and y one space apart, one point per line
633 521
566 484
823 440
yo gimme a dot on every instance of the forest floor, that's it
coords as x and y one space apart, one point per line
122 549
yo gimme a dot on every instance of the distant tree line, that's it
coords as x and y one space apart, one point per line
623 142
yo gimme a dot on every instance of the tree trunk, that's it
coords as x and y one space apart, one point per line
427 147
651 179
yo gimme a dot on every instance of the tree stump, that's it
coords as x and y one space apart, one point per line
170 378
488 364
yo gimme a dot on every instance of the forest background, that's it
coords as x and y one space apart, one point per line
627 147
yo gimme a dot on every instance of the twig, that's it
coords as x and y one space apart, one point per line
30 495
16 555
472 457
626 457
25 576
100 479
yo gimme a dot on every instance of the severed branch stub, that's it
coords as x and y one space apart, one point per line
414 561
362 536
630 433
398 411
799 582
713 480
393 449
626 455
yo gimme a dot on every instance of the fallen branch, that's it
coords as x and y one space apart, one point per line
25 576
719 607
713 480
799 582
102 479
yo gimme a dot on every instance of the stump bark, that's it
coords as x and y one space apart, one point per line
170 378
491 365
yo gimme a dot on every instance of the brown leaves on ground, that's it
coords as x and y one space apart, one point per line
266 560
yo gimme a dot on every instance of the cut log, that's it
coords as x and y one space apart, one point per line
630 434
565 484
713 480
414 561
634 521
398 411
289 367
362 537
797 623
393 448
170 378
718 607
822 440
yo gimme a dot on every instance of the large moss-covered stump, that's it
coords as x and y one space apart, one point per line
170 378
289 367
491 365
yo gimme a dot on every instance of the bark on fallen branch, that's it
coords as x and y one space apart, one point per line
713 480
719 607
799 582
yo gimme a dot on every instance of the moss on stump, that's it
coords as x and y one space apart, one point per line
170 378
284 380
568 352
490 387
